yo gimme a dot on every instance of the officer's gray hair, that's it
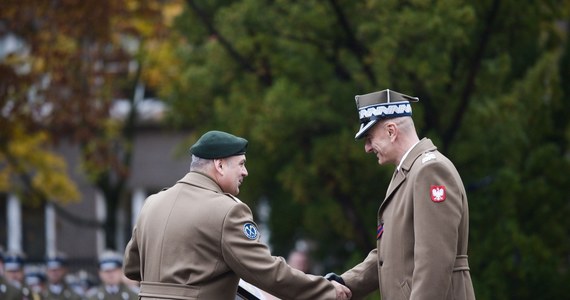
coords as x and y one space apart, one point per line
406 124
198 163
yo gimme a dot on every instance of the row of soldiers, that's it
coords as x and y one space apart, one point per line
51 280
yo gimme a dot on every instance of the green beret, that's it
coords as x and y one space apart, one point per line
218 144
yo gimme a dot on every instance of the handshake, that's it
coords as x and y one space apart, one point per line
342 291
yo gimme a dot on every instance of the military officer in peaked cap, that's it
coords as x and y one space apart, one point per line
196 240
7 290
111 275
423 220
35 278
57 288
14 272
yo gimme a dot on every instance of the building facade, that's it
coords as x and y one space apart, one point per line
71 229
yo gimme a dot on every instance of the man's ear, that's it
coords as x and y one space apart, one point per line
392 129
218 164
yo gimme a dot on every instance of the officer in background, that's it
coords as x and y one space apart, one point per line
84 282
14 272
423 221
7 290
57 288
111 275
196 240
35 278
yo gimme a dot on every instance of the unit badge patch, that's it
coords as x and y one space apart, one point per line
250 231
437 193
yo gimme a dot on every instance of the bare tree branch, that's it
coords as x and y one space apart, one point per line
469 87
352 43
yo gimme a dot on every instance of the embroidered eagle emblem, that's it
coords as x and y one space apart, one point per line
438 193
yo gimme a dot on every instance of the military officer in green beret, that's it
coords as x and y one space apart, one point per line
111 275
423 220
196 240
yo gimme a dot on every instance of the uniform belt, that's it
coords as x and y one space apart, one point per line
461 263
168 290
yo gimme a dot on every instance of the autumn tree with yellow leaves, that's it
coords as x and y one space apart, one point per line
69 60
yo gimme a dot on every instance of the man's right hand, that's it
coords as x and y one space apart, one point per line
342 292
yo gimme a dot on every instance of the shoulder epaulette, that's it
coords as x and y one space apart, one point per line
428 156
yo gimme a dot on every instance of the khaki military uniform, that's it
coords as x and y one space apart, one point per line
423 227
8 291
192 241
123 293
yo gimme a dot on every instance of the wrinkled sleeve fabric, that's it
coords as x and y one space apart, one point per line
132 259
252 261
363 278
435 232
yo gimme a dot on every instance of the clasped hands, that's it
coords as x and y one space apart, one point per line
342 291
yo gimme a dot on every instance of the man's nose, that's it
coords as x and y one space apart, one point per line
367 147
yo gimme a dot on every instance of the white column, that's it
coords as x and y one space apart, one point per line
120 214
14 217
263 211
51 234
139 196
100 214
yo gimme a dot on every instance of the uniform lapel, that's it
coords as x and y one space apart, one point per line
396 181
400 176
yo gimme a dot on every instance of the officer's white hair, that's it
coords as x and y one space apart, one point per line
198 163
405 124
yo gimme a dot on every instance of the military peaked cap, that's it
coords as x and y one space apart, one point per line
380 105
58 260
13 261
218 144
110 260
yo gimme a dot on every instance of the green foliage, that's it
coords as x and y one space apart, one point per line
492 77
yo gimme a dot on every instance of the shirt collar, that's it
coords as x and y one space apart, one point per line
405 155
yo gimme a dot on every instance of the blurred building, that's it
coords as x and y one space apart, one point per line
49 228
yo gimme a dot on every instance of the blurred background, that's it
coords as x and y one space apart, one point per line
101 99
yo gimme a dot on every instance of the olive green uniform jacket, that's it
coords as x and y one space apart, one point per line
192 241
423 227
66 293
123 293
9 291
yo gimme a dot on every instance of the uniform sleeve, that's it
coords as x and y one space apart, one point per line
132 260
437 214
363 278
252 261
